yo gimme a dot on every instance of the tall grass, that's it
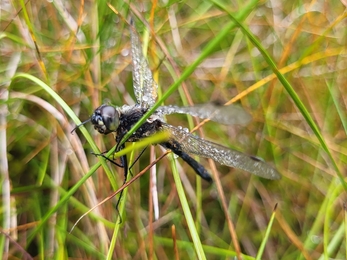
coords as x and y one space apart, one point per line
284 62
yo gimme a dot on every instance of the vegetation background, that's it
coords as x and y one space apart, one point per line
283 61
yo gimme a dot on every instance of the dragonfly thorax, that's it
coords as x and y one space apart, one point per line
105 119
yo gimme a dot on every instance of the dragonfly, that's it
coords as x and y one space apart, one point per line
119 120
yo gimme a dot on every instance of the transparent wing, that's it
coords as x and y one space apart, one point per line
145 88
227 115
195 145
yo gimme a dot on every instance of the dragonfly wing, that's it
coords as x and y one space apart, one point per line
145 88
226 115
195 145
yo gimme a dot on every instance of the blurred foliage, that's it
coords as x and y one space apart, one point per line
80 49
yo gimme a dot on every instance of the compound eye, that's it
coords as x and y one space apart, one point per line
105 119
110 117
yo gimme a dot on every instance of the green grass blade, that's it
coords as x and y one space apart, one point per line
267 235
187 213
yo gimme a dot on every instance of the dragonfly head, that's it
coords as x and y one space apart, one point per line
105 119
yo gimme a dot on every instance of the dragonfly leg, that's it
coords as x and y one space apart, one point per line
124 161
124 165
108 159
135 161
